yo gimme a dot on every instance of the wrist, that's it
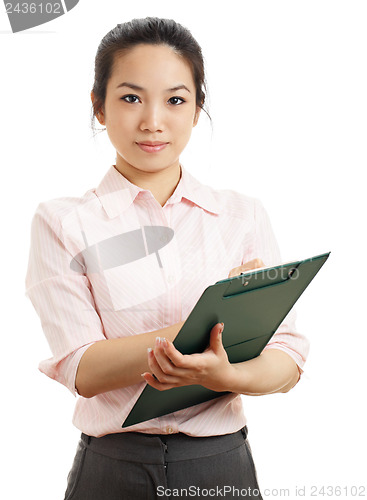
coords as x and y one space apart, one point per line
234 379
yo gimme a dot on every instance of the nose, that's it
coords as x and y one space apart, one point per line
152 118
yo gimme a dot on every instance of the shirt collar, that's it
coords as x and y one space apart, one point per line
116 193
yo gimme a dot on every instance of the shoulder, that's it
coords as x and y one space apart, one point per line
226 202
230 202
57 212
236 204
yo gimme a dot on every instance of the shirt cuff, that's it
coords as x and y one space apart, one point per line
294 355
65 370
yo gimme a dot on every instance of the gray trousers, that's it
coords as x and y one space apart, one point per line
137 466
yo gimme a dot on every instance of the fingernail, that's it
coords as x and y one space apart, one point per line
221 328
157 340
164 341
149 350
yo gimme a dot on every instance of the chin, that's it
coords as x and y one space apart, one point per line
154 164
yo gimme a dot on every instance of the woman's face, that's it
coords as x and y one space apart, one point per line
150 98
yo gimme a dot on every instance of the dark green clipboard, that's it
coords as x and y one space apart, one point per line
252 306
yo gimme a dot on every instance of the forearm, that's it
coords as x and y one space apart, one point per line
273 371
115 363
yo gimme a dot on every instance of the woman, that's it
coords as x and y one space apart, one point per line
114 274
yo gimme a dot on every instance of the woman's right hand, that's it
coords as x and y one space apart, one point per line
115 363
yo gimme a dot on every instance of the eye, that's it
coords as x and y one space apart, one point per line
174 100
130 98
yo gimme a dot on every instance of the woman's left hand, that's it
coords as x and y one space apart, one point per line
248 266
210 368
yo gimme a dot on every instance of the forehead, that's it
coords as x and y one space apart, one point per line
148 65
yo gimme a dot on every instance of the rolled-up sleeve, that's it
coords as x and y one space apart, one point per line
286 337
61 297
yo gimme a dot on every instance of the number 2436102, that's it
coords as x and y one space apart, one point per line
34 8
338 491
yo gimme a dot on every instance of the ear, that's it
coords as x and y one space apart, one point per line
100 114
196 117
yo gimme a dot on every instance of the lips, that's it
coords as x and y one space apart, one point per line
152 146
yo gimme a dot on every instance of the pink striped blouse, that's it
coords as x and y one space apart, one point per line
150 278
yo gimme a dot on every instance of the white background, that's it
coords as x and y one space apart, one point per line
287 94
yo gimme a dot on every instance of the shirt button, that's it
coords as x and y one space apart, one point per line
171 279
169 430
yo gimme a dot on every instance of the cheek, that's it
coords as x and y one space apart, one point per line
121 121
119 118
184 126
121 129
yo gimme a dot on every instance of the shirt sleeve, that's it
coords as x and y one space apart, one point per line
61 297
286 337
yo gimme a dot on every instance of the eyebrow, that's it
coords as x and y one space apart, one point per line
137 87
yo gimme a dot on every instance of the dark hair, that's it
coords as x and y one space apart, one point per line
153 31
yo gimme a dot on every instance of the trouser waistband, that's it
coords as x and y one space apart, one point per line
162 448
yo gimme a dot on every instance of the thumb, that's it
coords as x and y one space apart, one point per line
216 337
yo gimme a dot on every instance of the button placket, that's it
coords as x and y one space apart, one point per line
165 448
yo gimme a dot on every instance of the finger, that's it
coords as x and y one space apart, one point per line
252 264
258 263
190 370
161 367
248 266
168 357
234 272
216 343
154 365
150 380
180 362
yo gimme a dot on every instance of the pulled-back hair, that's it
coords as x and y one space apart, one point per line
153 31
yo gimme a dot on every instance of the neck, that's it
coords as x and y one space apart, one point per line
161 183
